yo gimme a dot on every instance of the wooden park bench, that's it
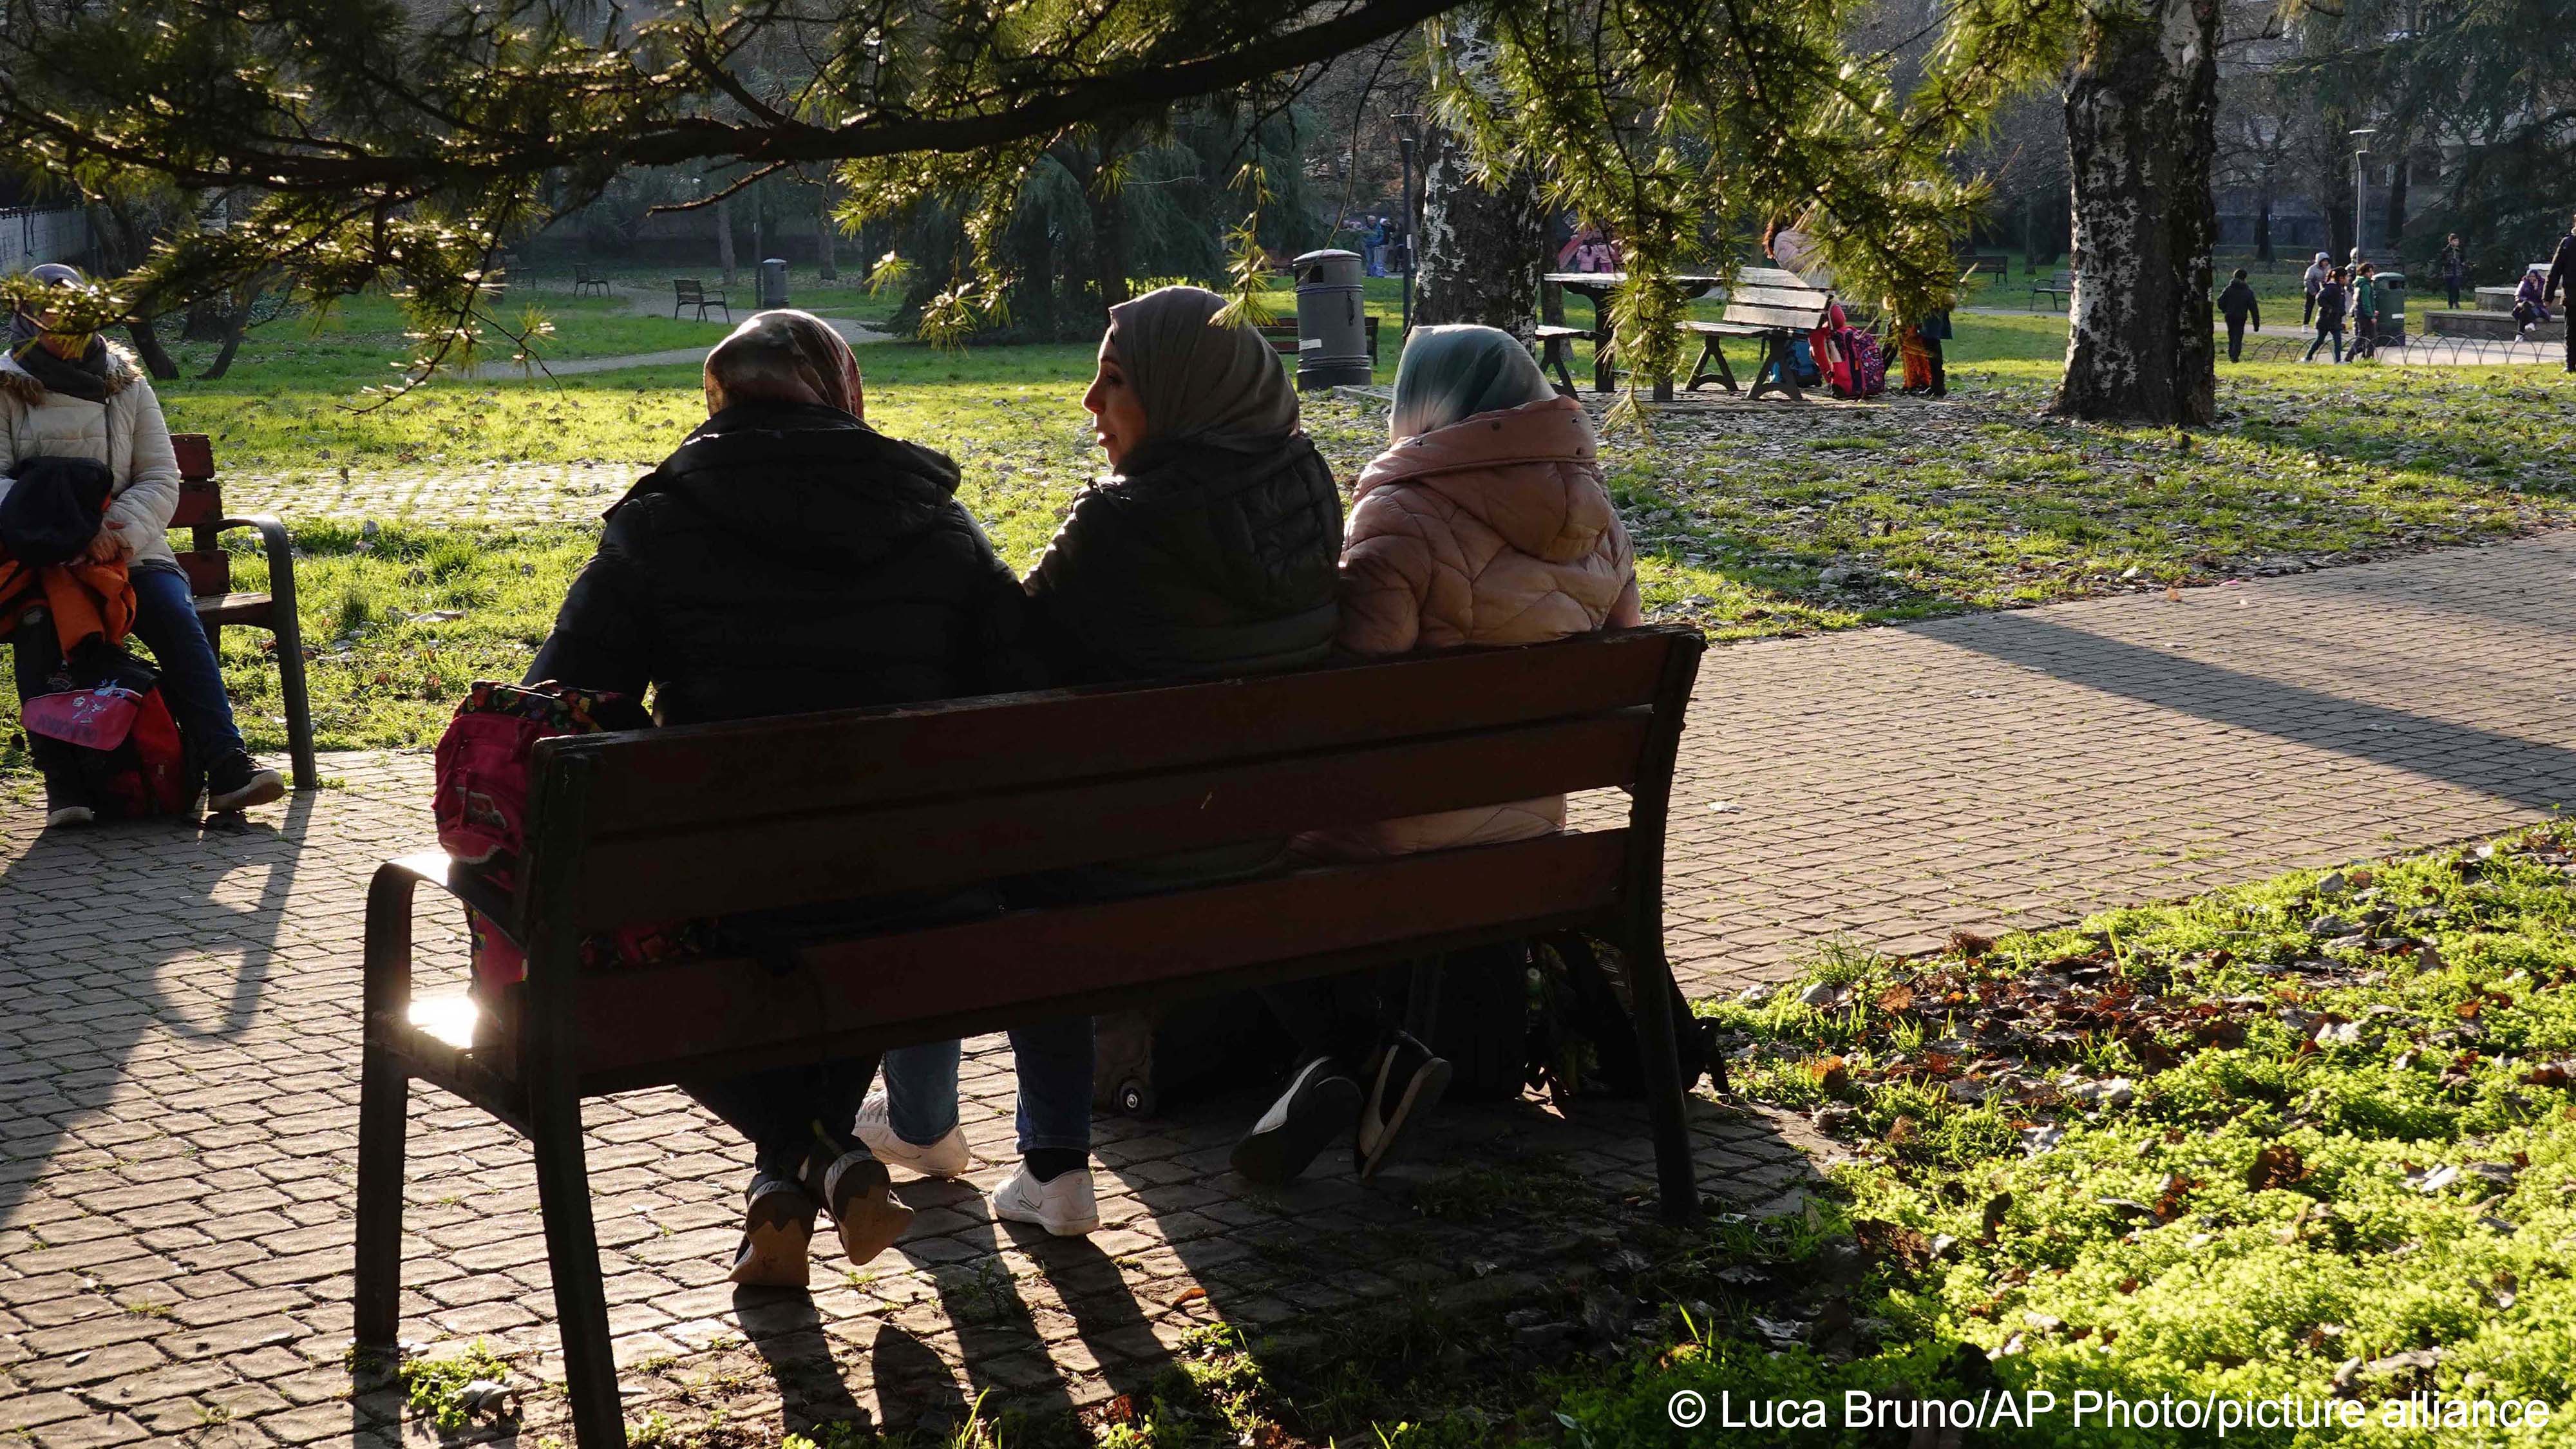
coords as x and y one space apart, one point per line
2059 288
210 579
718 820
584 278
693 293
1283 339
209 570
1768 303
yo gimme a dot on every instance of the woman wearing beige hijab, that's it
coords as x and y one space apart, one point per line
1208 552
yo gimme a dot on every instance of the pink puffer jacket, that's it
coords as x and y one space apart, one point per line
1495 530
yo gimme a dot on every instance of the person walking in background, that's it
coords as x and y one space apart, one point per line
2237 304
2329 301
2562 276
2455 267
2365 312
2314 280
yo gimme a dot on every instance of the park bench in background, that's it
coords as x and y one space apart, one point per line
725 819
2059 289
583 278
693 293
210 579
1768 303
1282 337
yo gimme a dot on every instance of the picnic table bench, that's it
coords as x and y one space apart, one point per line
690 292
2060 287
719 820
1555 338
1773 304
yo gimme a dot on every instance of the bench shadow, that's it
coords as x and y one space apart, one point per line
79 1009
2524 772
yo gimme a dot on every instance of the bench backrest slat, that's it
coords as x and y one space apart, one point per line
1776 297
689 291
788 860
669 779
659 825
654 1024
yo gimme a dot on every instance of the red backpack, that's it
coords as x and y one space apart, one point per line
481 807
103 720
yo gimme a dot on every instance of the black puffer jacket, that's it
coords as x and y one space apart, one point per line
786 559
1194 561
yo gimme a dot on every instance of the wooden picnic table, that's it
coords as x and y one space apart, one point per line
1598 286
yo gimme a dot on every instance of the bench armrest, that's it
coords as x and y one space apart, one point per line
280 551
389 918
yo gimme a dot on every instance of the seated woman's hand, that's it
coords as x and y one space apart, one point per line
109 547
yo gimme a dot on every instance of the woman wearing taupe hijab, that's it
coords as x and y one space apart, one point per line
1209 551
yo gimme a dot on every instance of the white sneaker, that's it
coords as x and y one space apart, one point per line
946 1157
1064 1207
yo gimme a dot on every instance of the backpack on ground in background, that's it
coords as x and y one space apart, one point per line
1151 1061
102 720
1802 360
1865 362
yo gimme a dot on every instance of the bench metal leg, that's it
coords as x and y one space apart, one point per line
1709 352
1552 356
1778 371
572 1255
294 694
384 1110
1650 982
1604 377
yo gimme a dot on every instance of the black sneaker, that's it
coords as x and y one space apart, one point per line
237 782
64 802
1320 1101
1405 1082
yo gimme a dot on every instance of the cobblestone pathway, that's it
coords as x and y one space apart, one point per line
178 1049
1996 770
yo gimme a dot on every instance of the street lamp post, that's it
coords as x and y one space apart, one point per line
1404 143
2360 184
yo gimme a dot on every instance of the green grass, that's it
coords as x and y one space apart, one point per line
1752 522
2343 1133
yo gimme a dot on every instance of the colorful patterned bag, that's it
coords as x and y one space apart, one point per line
482 806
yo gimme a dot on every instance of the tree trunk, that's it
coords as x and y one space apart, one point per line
724 239
2396 228
2141 112
1108 225
2263 222
1482 251
147 346
1478 251
826 232
233 327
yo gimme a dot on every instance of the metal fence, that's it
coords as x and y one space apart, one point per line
2418 351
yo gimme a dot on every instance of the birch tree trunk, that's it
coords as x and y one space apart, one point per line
1480 251
2141 110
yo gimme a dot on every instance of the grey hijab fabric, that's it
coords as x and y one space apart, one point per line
1200 382
1450 374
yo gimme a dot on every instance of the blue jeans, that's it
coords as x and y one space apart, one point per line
1053 1061
192 683
2324 333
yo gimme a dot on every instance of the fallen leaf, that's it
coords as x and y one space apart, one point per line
1830 1073
1191 1294
1896 998
2277 1165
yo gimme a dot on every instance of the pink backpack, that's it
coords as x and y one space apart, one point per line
482 809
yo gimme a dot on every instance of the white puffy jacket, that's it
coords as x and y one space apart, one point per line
126 432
